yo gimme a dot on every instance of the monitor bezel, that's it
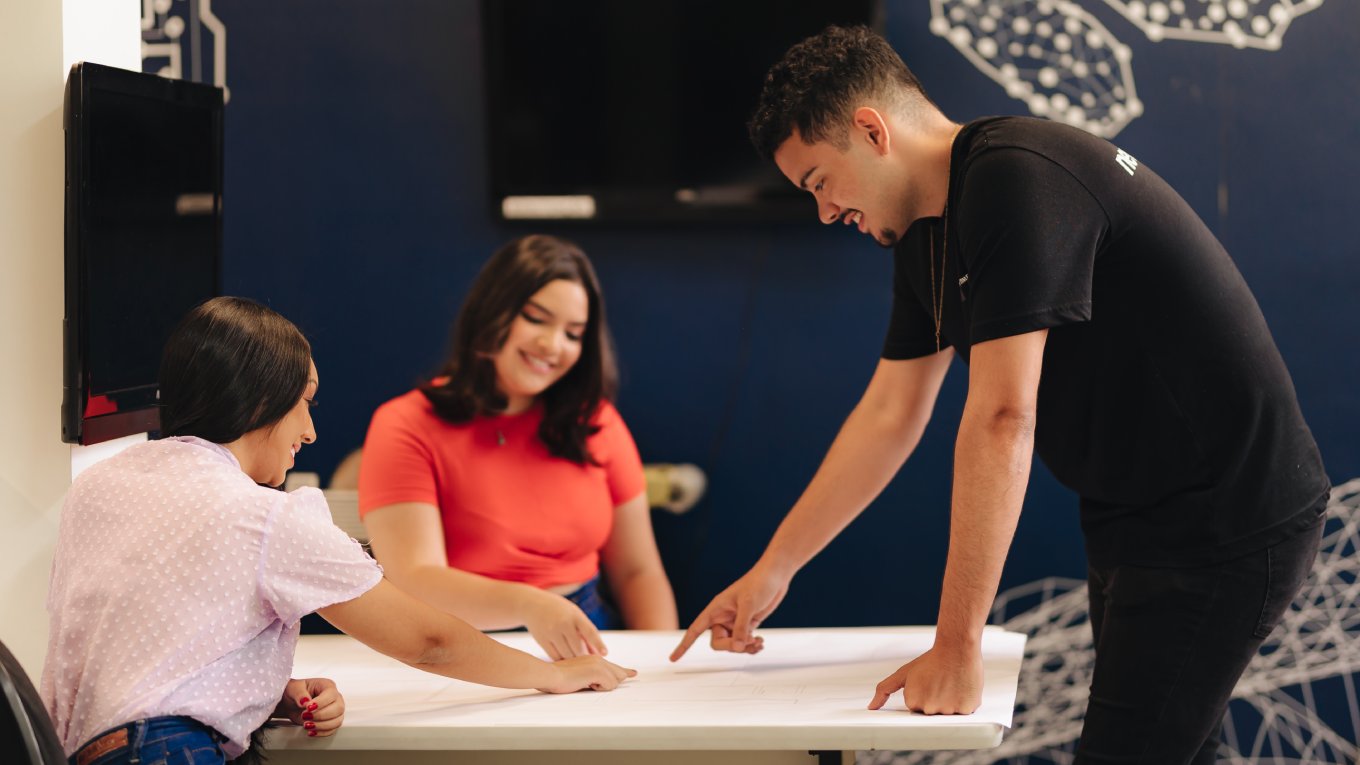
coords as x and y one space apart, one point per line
85 77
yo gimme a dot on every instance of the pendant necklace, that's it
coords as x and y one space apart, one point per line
937 299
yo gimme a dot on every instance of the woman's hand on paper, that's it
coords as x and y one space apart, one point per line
590 672
561 628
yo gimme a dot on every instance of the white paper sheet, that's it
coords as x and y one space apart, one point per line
808 689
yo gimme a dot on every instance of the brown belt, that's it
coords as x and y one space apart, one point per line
109 742
122 737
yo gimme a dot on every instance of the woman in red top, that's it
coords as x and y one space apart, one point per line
498 490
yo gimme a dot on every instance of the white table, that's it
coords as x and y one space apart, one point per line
807 691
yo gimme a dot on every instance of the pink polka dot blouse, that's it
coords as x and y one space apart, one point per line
177 588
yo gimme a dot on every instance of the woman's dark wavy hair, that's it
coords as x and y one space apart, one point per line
513 274
819 80
230 367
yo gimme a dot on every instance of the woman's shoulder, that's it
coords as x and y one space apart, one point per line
170 459
610 429
406 432
309 502
606 414
412 401
196 477
411 409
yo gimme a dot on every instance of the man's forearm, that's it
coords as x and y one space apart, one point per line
866 454
991 472
875 440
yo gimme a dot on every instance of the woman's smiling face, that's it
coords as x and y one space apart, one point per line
543 343
277 445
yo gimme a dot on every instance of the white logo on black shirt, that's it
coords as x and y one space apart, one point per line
1126 161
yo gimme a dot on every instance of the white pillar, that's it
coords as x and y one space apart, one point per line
38 39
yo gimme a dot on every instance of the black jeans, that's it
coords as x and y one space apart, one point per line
1171 644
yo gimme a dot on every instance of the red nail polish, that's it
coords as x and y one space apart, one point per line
306 715
311 733
311 708
302 702
309 725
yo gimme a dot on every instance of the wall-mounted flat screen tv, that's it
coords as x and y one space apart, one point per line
619 110
143 238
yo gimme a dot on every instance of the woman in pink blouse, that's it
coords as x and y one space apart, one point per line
180 578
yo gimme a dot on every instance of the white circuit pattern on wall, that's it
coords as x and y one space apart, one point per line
1273 717
175 36
1063 64
1239 23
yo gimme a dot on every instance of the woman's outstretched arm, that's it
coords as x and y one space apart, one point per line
396 624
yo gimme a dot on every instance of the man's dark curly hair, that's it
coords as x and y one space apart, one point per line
819 80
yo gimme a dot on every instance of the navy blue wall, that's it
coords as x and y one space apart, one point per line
356 205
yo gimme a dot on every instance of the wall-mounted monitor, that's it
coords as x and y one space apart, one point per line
619 110
143 238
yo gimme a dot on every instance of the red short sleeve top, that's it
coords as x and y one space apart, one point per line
511 511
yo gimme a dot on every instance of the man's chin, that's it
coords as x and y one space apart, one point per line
886 238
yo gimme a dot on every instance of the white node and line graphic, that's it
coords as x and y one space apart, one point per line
1239 23
1051 55
1054 57
1063 64
1274 714
173 31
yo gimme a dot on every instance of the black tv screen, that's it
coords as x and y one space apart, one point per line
143 237
618 110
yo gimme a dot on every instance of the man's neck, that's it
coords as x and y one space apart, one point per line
930 159
941 149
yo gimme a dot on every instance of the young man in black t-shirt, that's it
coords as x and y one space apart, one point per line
1105 327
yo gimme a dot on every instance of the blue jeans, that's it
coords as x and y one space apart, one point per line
588 599
155 741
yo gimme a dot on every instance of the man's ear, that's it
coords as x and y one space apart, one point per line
869 126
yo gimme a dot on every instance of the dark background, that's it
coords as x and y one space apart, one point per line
356 204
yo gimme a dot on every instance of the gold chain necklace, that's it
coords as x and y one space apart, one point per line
937 301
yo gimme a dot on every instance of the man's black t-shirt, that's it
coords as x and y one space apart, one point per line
1163 401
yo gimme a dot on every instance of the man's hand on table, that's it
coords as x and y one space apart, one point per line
736 612
940 681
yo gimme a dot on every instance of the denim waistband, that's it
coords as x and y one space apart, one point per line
600 613
131 735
